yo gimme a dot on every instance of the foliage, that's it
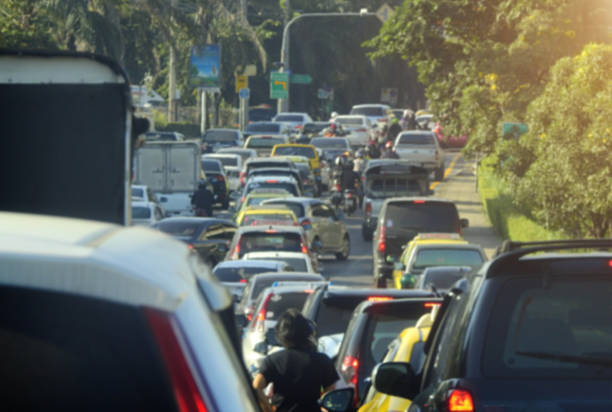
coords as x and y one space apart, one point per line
187 129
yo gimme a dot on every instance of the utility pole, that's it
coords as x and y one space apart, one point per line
172 69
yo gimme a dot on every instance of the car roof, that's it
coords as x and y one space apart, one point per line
370 105
280 178
285 276
130 265
294 145
348 291
142 203
225 129
236 149
352 116
245 263
265 208
266 191
267 159
277 228
448 244
220 155
417 198
301 200
279 254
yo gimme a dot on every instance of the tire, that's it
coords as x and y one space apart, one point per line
439 175
346 249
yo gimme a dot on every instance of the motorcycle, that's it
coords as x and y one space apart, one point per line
345 200
350 201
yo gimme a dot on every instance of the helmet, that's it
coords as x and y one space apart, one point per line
339 161
407 113
389 145
359 153
334 114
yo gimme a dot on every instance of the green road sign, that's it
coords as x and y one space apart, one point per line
279 85
513 130
300 79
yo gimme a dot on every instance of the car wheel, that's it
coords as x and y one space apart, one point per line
346 249
439 176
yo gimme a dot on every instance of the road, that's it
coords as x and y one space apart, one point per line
459 186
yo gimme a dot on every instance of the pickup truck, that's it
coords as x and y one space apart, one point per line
384 178
172 170
423 149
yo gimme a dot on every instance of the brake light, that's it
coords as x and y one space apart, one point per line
368 208
261 316
460 401
610 263
237 251
379 298
242 178
349 195
271 181
220 178
184 385
243 281
382 244
418 202
431 304
337 187
270 231
349 370
190 246
304 248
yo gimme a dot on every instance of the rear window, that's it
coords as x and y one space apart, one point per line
329 143
238 274
280 302
335 313
186 229
227 161
368 111
295 151
296 264
381 330
290 187
314 128
289 118
64 352
447 257
265 142
440 280
138 192
225 136
267 241
211 166
296 208
551 327
421 217
392 186
353 121
266 218
261 284
264 127
261 165
140 212
416 139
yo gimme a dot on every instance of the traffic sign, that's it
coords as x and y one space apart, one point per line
384 12
244 93
279 85
242 82
513 130
300 79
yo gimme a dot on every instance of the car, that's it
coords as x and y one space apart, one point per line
530 330
259 282
438 254
267 128
277 171
265 162
407 347
215 175
331 147
297 261
425 121
373 326
331 308
295 149
386 178
295 120
215 139
421 148
310 130
234 274
379 114
266 215
311 184
272 182
442 278
400 220
208 236
245 154
146 213
258 339
168 136
322 225
263 143
143 193
267 239
115 318
232 165
359 127
261 113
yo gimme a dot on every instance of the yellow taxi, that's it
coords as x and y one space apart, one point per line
266 215
407 347
256 197
295 149
421 239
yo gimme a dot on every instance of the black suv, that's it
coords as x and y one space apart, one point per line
372 328
401 219
532 331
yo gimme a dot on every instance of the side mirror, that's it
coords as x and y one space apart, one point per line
339 400
464 223
395 378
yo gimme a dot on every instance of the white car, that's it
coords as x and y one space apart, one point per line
421 148
125 317
146 213
299 262
359 127
294 119
379 114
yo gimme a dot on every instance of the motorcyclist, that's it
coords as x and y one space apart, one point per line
360 161
372 150
202 200
393 130
349 179
408 121
389 153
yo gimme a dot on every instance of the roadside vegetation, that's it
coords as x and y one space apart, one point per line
545 64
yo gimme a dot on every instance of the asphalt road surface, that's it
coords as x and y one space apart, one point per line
459 186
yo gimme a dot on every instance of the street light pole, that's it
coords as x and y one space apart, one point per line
283 104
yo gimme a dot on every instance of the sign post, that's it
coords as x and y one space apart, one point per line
244 95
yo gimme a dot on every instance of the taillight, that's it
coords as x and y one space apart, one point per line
368 208
220 178
259 322
236 253
418 202
349 370
460 401
190 246
304 248
349 195
379 298
430 305
175 358
382 244
243 281
242 178
337 187
610 263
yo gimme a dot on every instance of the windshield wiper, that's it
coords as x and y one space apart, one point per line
585 360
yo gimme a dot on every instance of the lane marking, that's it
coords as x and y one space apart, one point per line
447 171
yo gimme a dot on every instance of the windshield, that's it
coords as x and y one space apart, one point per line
138 192
330 143
422 217
264 142
416 139
369 111
335 313
296 208
447 257
551 327
141 212
295 151
226 136
313 127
